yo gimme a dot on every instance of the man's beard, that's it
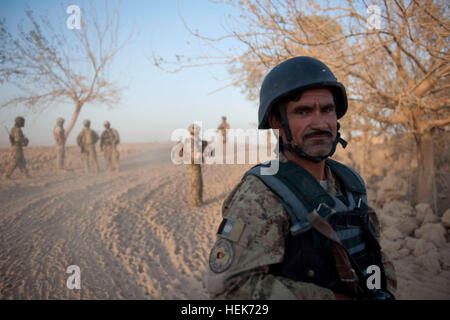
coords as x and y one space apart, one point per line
317 143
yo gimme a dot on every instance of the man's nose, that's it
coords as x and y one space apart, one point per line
318 120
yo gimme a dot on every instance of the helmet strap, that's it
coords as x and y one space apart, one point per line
292 147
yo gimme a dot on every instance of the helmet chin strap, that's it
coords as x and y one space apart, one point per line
296 149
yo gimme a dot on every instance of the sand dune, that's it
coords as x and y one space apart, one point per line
132 233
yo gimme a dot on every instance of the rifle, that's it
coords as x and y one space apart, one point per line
11 140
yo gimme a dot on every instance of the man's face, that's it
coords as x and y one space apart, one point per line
313 122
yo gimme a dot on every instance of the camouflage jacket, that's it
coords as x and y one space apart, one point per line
223 127
86 137
17 138
59 135
109 137
197 148
256 241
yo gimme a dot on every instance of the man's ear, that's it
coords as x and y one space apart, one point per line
274 122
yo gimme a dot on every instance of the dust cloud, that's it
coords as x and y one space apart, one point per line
134 236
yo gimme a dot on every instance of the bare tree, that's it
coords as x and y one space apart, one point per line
54 64
396 71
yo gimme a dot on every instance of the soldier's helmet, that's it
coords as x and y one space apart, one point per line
60 121
20 121
194 129
86 123
293 76
107 124
224 118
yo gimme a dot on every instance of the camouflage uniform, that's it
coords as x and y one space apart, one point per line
86 140
223 127
60 138
108 143
194 169
261 223
16 157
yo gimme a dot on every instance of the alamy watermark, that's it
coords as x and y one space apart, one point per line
374 21
374 280
74 280
241 146
74 20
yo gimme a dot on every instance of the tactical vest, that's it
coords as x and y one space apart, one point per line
58 133
16 138
193 149
308 254
89 137
109 138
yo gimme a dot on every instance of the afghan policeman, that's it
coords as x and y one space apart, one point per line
108 144
305 232
222 128
16 157
86 140
60 138
193 150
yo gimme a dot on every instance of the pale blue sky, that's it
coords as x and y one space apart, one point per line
155 102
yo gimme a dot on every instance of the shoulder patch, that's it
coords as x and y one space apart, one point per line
221 256
231 229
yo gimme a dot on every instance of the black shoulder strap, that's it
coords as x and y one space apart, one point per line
352 181
304 186
300 192
294 207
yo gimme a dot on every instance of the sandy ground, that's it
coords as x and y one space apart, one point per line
132 233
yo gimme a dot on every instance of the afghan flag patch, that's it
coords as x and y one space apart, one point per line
221 256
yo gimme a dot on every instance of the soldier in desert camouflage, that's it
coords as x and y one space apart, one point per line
86 140
193 167
304 232
60 138
108 144
223 127
16 158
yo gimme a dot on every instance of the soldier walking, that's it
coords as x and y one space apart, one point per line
60 138
16 157
223 127
194 169
86 140
108 144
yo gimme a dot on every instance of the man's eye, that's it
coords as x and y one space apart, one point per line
302 111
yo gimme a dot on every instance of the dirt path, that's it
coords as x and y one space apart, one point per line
132 233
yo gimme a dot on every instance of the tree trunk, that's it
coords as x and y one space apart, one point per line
75 115
425 186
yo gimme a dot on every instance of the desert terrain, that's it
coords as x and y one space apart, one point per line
134 236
